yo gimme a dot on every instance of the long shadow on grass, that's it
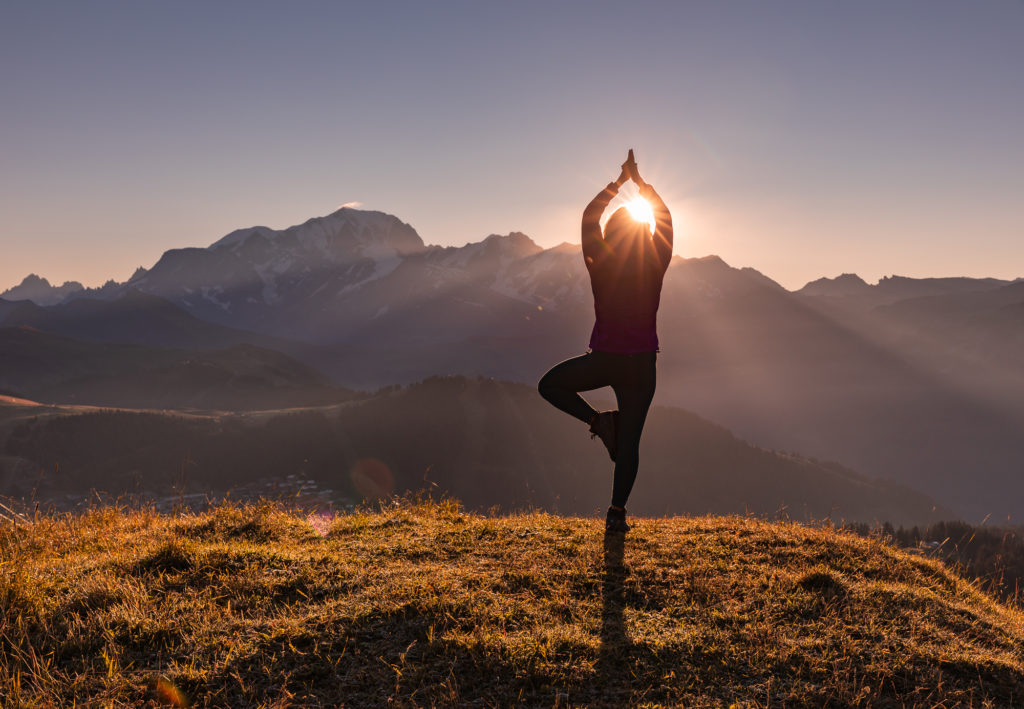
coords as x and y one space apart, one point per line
617 650
401 653
614 641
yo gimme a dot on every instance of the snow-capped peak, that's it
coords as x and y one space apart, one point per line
344 235
239 236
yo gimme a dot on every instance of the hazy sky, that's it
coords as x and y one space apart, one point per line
800 138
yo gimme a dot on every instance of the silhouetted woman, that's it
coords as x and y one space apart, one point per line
627 265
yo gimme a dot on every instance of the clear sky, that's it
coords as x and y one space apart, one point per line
800 138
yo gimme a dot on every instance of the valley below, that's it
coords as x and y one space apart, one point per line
301 352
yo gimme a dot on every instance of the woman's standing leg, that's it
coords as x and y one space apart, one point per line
634 390
563 382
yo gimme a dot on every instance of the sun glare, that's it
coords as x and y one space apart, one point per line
640 209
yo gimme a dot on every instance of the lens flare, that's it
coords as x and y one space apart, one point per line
640 209
170 694
372 478
321 522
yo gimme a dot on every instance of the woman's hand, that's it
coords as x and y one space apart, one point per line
630 169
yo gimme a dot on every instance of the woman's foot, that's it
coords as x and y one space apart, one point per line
605 425
615 522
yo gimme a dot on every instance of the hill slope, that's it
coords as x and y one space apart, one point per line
135 318
56 369
421 605
485 442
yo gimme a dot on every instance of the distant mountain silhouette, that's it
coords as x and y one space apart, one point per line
852 290
485 442
971 337
842 286
926 390
996 306
39 290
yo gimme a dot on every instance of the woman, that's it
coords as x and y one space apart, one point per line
627 265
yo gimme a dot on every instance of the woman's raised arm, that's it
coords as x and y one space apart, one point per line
593 239
662 222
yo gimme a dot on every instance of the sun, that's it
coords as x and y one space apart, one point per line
640 209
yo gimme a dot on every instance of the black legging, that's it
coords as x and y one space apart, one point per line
632 377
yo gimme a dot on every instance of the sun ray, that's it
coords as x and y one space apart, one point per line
640 209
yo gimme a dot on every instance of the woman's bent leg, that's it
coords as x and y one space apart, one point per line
563 382
634 393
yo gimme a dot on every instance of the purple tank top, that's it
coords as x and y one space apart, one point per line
626 298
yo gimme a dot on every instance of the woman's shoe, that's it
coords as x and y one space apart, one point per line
605 425
615 522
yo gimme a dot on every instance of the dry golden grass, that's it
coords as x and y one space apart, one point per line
422 604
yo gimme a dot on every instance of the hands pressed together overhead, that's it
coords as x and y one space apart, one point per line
593 233
630 171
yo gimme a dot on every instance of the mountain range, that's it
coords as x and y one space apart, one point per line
913 380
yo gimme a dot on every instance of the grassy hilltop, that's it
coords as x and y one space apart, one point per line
422 604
